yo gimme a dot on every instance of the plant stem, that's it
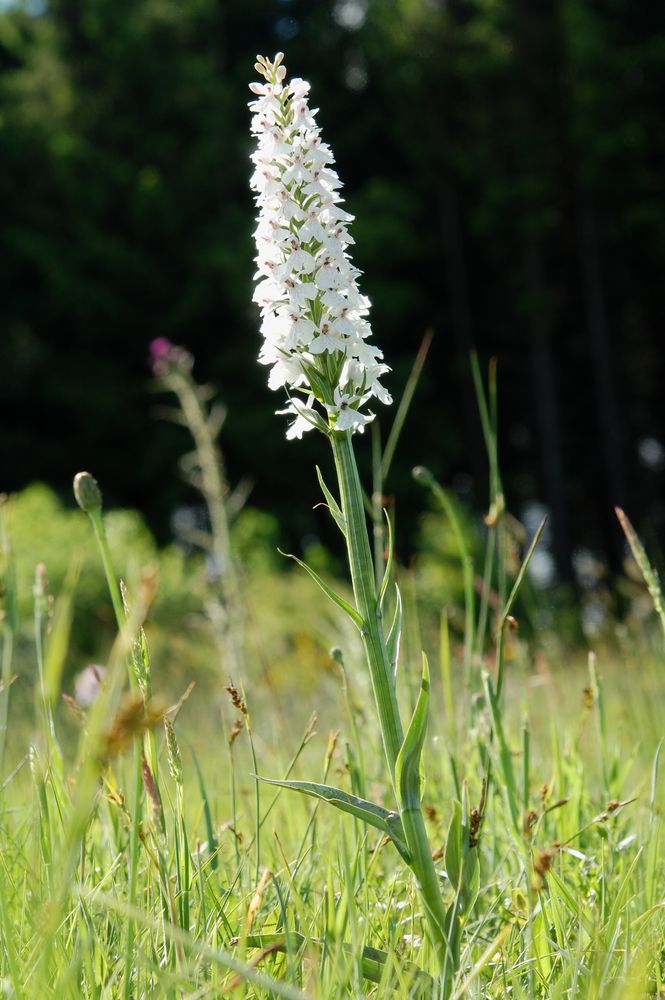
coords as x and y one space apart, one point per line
214 488
116 599
364 589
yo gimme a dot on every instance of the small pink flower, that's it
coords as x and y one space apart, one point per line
165 355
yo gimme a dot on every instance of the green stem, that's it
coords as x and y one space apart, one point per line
364 589
214 488
112 583
116 599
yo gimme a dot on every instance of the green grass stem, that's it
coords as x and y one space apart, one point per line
97 521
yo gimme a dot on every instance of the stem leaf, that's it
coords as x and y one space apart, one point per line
407 766
395 633
328 591
374 815
333 506
389 561
453 855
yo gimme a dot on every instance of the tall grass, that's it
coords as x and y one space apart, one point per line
144 863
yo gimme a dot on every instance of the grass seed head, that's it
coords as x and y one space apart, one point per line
257 899
133 718
475 823
173 752
541 865
150 785
236 730
236 699
530 819
543 862
333 737
546 790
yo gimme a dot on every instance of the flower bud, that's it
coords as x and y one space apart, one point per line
87 493
422 475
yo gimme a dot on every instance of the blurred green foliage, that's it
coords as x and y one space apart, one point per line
504 162
41 530
286 646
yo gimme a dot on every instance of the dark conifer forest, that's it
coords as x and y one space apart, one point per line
505 161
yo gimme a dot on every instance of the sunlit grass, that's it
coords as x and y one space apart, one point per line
144 855
251 888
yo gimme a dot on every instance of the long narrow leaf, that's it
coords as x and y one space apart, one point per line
407 766
389 561
509 605
395 633
405 403
523 568
333 506
374 815
328 591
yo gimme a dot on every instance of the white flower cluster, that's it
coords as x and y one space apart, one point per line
313 315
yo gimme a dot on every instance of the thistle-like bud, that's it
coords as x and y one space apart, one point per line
87 493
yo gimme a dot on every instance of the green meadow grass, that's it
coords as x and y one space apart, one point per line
142 860
145 851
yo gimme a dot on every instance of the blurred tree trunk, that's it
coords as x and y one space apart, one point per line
588 139
537 63
608 424
451 228
460 310
546 402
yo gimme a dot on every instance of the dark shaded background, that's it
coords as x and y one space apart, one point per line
504 159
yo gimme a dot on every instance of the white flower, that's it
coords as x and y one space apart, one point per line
305 415
347 416
313 314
